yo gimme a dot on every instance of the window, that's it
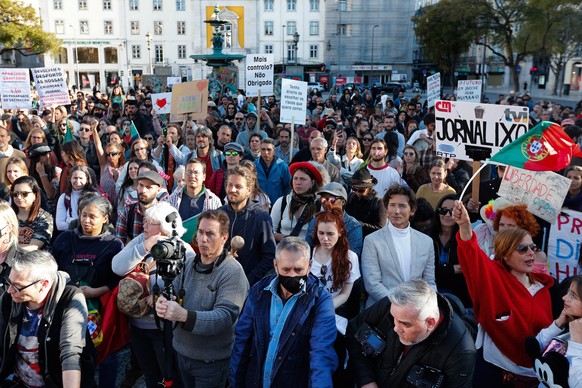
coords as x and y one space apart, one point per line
107 5
58 4
268 49
88 54
82 5
268 27
61 56
108 27
133 5
159 53
110 55
314 5
59 26
314 28
343 5
313 51
291 52
181 28
344 29
291 5
84 26
268 5
291 28
181 52
135 28
158 28
157 5
135 51
180 5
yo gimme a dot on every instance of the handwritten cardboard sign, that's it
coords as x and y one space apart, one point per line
564 245
542 191
259 74
15 88
471 131
469 90
191 97
293 101
162 103
433 89
51 85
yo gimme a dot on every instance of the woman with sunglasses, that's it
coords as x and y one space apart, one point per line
364 204
367 139
412 172
35 225
511 302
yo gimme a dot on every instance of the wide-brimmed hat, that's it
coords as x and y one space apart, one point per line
309 167
363 178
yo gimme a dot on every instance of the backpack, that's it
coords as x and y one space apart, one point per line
463 313
134 289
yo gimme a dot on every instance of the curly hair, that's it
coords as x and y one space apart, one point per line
340 263
522 217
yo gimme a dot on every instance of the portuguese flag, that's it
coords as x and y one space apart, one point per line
545 147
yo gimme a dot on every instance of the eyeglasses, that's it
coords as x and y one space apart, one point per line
112 153
366 139
193 172
359 189
140 149
323 272
17 288
231 153
444 210
150 223
522 248
408 153
18 194
84 129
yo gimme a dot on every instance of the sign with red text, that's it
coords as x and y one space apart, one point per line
51 86
15 88
472 131
162 103
433 89
469 90
564 245
543 192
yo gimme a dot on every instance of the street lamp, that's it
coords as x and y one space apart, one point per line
149 39
372 67
76 55
282 46
295 44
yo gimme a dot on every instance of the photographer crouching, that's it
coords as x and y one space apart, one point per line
412 338
215 290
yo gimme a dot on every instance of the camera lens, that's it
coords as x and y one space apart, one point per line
162 250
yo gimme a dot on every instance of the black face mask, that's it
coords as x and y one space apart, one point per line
292 284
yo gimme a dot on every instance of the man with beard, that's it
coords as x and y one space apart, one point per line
390 126
318 148
204 151
99 110
251 127
286 332
216 289
130 219
251 222
223 137
143 124
386 175
283 150
238 124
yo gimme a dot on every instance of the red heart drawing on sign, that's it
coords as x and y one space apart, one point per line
201 85
161 102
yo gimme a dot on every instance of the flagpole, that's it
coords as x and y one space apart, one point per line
292 132
472 178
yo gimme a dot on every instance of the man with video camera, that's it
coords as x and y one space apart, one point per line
412 338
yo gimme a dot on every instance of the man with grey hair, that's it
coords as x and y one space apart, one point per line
411 337
318 148
286 332
44 326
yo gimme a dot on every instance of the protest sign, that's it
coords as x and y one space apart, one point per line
433 89
171 81
469 90
51 85
191 97
259 74
471 131
564 245
15 88
542 191
162 103
293 101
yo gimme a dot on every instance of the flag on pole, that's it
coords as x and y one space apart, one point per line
134 132
68 134
546 147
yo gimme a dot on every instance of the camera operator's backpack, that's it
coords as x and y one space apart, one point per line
134 289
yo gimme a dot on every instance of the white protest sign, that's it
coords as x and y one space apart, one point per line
259 74
542 191
293 101
15 88
469 90
51 86
470 131
162 103
433 88
171 81
564 245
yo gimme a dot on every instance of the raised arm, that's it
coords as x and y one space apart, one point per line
462 219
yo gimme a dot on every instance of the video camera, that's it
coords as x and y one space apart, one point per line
169 254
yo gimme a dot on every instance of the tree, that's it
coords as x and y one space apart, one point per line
21 30
446 31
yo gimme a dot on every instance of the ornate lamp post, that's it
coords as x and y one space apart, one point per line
295 43
149 40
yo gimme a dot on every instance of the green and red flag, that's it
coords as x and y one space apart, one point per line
68 134
134 132
546 147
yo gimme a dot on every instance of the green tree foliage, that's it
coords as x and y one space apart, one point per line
446 31
21 30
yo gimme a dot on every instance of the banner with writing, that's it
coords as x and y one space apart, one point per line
293 101
472 131
51 86
564 245
542 191
15 88
433 89
469 90
259 74
191 97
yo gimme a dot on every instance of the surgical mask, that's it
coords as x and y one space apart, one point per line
293 284
541 268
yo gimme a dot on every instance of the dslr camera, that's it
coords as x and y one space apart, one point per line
372 341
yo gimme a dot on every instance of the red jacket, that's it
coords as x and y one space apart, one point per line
497 293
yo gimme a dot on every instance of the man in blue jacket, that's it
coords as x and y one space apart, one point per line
272 172
285 334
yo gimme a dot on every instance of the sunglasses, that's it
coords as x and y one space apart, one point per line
112 153
20 289
231 153
84 129
408 153
522 248
238 119
149 138
323 272
140 149
18 194
359 189
444 210
126 124
366 139
331 200
62 125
